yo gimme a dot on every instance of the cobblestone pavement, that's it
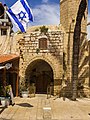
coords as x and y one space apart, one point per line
41 108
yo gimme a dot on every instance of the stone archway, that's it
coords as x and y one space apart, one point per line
40 73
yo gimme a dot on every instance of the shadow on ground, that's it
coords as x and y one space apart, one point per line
2 109
25 105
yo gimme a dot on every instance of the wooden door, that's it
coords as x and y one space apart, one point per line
41 85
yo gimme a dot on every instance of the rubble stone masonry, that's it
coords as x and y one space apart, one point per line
28 45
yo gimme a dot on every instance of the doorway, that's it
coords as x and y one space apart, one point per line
40 73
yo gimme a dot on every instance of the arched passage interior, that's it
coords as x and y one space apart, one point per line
40 73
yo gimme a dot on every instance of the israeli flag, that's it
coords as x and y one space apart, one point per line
20 14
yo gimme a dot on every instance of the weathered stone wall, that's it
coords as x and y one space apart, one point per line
53 55
68 13
68 19
59 41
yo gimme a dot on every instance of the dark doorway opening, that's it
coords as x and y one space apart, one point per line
11 80
40 73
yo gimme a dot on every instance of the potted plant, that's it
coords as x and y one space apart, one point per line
24 92
2 94
5 100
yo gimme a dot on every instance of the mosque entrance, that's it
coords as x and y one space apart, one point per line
40 73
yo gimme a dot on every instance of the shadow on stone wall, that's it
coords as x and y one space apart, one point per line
83 71
66 90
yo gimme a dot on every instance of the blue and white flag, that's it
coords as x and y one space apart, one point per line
20 14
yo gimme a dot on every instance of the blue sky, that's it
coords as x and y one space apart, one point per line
46 12
32 3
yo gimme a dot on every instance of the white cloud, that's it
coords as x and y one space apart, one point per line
46 14
44 1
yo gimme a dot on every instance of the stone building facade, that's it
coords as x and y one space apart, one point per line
68 20
56 58
46 57
41 58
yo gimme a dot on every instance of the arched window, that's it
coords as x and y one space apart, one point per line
43 43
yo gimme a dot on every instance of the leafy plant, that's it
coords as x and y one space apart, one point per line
43 29
37 50
7 91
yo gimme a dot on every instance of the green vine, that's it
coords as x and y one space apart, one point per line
43 29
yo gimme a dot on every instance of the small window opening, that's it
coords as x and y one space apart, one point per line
43 43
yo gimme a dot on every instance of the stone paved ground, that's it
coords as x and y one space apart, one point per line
41 108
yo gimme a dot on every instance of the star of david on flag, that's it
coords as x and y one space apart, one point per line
20 14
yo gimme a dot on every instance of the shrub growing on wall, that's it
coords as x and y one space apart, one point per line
43 29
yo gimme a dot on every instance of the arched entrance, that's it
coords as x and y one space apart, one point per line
40 73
